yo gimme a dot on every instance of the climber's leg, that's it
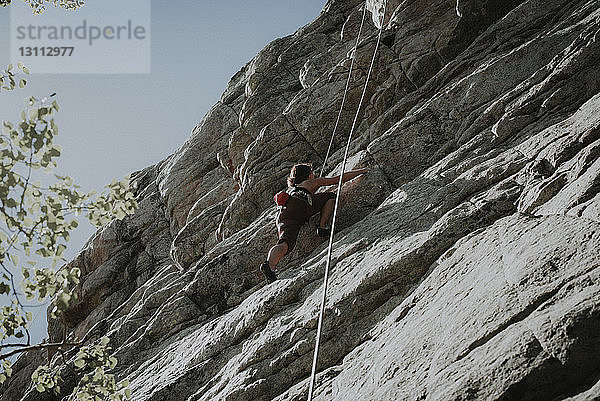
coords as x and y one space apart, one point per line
276 253
288 233
326 212
323 202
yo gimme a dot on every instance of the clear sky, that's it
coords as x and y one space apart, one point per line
111 125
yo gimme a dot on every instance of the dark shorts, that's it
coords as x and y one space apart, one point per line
295 213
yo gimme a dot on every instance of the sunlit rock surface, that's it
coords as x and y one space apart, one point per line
466 264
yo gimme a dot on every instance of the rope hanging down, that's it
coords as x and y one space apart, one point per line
337 199
337 121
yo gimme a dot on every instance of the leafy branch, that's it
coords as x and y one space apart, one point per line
39 6
26 348
35 222
93 365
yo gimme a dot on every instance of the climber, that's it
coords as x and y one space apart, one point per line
296 205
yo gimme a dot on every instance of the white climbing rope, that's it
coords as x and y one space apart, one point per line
337 121
337 198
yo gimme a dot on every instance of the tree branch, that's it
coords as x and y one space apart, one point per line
25 348
12 282
28 178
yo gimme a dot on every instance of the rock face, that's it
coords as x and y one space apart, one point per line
466 265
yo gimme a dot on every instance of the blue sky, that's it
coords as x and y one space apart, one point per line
111 125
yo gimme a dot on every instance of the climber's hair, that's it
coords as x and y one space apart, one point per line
299 173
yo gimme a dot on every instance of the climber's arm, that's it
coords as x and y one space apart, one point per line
325 181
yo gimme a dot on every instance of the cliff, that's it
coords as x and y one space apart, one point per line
466 265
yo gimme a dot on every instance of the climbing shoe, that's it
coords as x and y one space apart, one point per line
323 231
267 272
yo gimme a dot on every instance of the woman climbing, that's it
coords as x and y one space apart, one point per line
297 204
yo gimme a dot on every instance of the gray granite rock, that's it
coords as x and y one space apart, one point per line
464 265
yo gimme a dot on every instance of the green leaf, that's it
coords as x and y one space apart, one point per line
4 288
26 70
62 299
22 83
80 363
98 373
60 249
